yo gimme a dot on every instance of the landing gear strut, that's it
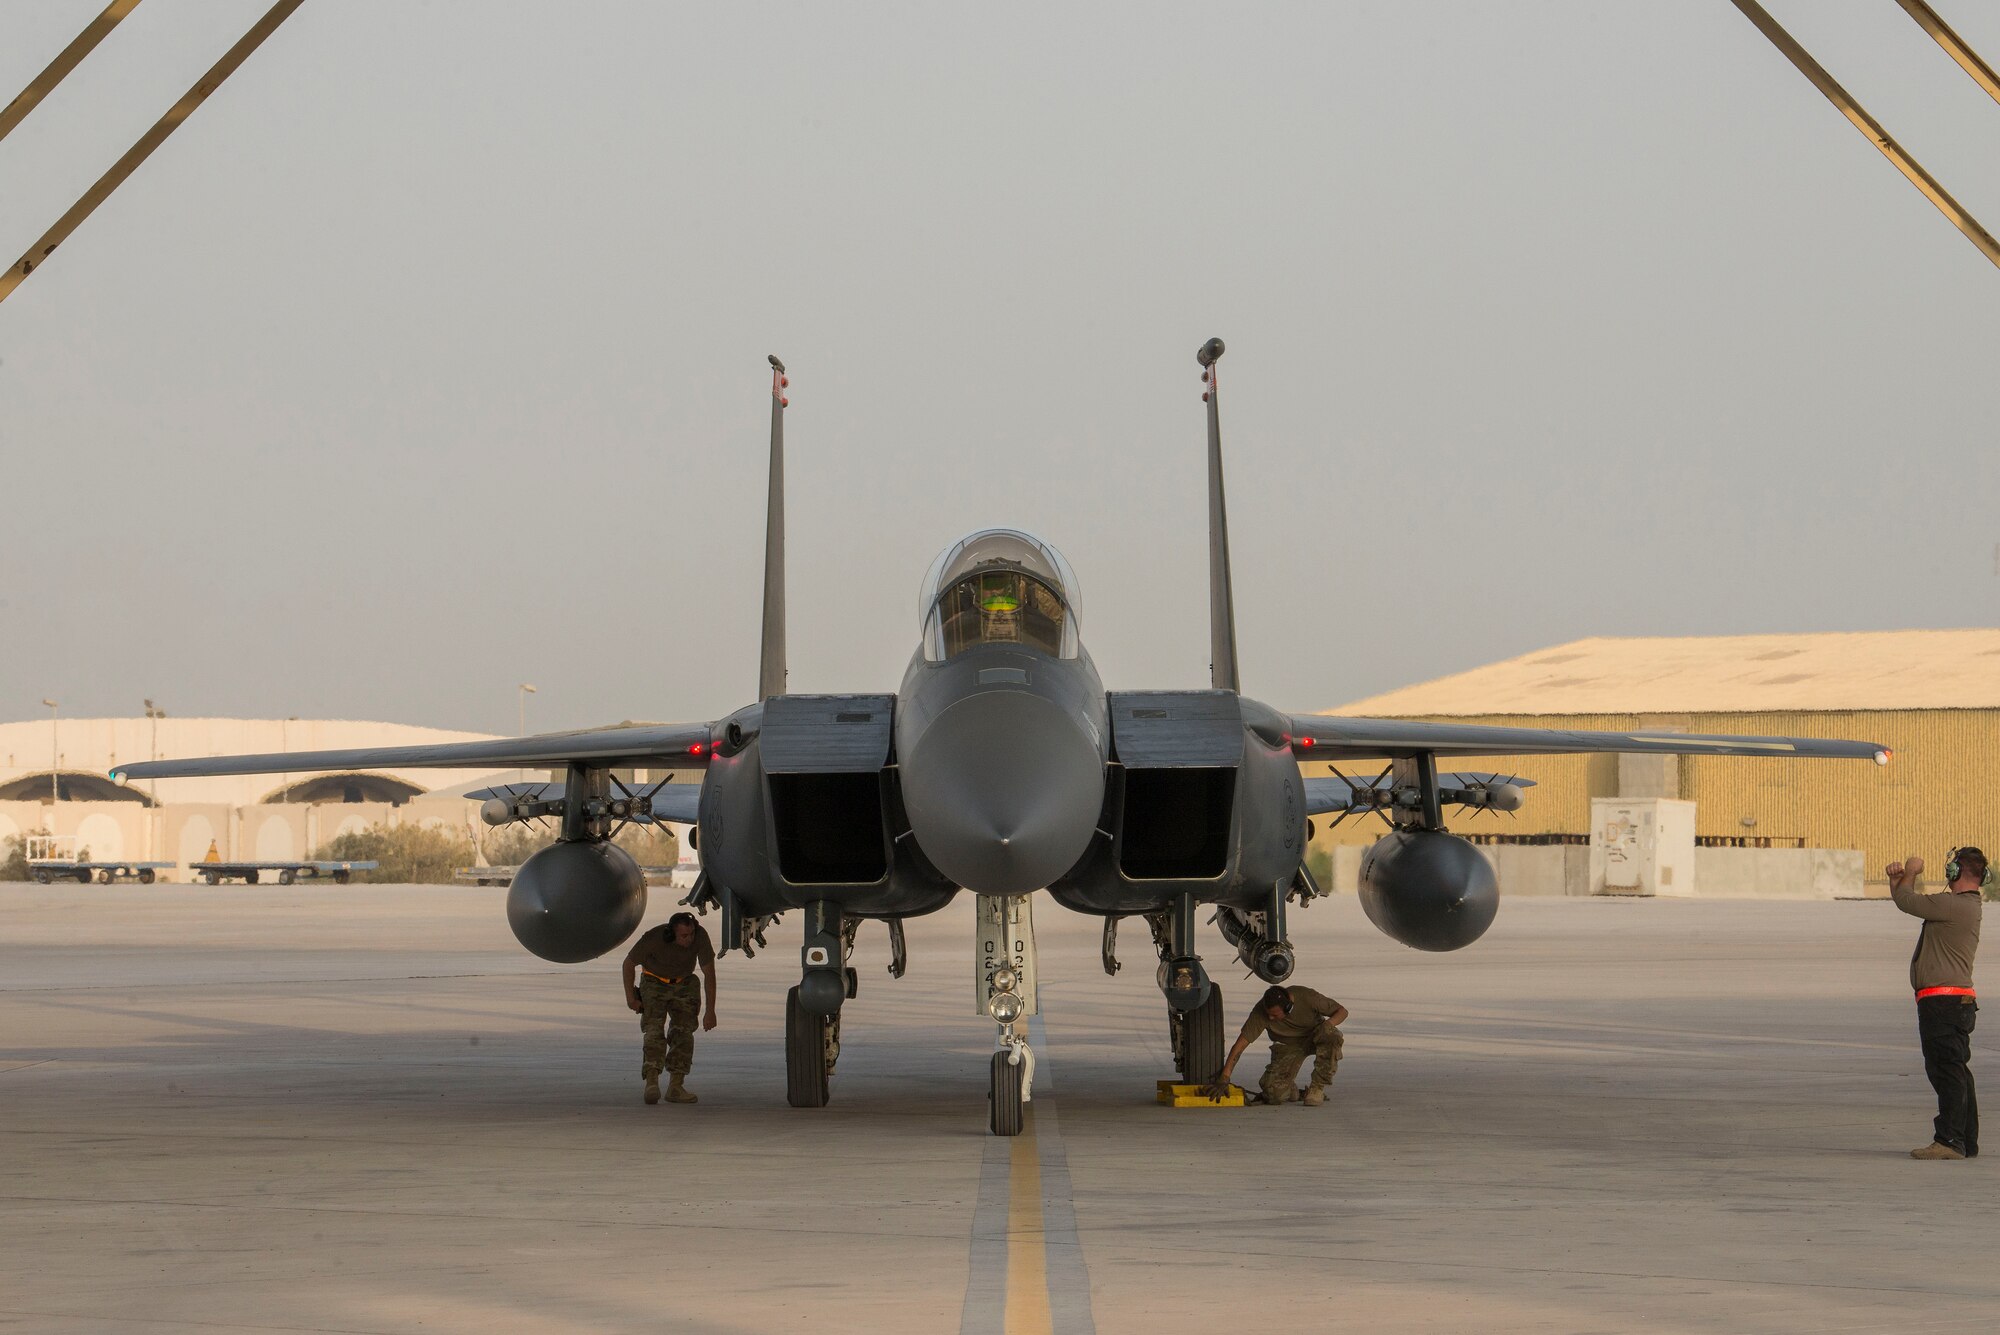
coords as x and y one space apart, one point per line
1194 1003
812 1009
1004 983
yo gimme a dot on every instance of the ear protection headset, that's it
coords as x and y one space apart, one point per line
1952 868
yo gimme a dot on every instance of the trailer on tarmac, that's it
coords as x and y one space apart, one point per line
58 857
250 873
43 871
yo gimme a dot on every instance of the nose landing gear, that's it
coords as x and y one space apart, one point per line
1004 989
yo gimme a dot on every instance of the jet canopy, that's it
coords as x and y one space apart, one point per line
999 586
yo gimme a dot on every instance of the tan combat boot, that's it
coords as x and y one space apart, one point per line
1935 1150
679 1093
1314 1096
652 1089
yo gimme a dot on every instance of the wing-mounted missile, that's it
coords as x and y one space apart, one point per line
510 804
1343 795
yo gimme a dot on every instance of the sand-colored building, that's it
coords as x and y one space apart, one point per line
1931 696
54 776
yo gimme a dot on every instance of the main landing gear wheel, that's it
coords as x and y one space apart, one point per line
1197 1035
1005 1095
807 1069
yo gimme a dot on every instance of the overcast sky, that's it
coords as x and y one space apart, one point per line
428 357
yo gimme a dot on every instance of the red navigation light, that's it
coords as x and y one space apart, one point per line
1305 741
698 749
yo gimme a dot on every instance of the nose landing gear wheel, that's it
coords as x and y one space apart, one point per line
806 1066
1197 1037
1005 1095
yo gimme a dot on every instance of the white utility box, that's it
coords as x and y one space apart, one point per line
1641 846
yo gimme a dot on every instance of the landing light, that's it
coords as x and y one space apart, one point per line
1006 1008
1004 979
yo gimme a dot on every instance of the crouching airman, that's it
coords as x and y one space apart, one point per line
1302 1023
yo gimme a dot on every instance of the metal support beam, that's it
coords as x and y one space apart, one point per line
66 60
45 245
1872 128
1954 46
1180 927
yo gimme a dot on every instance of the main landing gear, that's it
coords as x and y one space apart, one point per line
1194 1002
812 1044
812 1009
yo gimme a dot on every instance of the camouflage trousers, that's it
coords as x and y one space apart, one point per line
668 1050
1289 1054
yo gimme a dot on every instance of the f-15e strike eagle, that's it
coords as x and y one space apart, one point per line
1004 767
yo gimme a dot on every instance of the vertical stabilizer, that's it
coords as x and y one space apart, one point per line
771 666
1221 597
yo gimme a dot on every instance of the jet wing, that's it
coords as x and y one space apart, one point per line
1332 737
1336 792
676 802
653 746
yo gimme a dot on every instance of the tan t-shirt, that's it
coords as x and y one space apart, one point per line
1309 1008
658 954
1949 939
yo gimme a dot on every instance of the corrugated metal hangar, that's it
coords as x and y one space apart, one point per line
1931 696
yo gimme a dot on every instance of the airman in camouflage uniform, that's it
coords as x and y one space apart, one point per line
668 1004
1302 1023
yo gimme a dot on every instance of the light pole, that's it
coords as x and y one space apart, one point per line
154 826
55 753
523 692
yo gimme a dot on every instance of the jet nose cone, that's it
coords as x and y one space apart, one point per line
1003 792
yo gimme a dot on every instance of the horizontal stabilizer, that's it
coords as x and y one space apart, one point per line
653 746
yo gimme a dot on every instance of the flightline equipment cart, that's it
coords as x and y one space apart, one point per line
44 870
287 872
54 857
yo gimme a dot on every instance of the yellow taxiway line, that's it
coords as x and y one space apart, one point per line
1027 1238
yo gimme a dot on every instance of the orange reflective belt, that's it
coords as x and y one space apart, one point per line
1945 992
656 978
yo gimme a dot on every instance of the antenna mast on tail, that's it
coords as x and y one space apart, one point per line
771 666
1221 598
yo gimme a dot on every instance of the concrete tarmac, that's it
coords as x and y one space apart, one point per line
366 1109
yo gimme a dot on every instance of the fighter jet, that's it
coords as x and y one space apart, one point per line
1003 766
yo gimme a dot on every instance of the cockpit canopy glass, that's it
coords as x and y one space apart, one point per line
999 586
